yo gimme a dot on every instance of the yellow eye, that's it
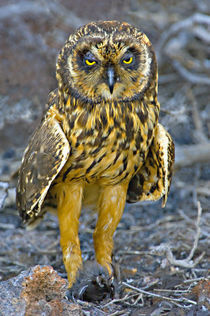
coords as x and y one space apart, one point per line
90 62
128 61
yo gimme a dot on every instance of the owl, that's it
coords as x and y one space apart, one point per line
99 143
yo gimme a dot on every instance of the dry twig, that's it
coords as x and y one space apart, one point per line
173 300
3 192
188 75
193 24
126 298
191 154
196 18
187 262
199 135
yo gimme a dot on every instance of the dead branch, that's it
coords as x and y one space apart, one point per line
196 18
195 280
173 300
195 244
126 298
201 33
199 131
197 25
186 74
3 193
118 313
187 262
201 189
191 154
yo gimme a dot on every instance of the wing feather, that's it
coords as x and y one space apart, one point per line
45 156
153 180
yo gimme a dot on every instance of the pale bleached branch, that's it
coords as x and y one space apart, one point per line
191 154
171 299
187 262
188 75
175 28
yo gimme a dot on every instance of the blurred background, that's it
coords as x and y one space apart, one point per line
31 35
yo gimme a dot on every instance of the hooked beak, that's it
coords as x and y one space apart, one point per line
111 81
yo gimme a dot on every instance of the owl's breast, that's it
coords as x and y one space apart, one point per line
110 147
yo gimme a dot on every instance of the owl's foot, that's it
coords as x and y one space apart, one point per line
69 208
94 284
72 262
111 205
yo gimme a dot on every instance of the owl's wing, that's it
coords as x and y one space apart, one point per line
154 179
45 156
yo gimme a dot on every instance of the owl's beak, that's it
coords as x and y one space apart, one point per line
111 80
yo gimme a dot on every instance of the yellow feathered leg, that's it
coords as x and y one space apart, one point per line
69 209
110 206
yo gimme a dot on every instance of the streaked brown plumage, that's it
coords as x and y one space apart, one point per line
99 143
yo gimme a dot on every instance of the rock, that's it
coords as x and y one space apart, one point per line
37 291
10 303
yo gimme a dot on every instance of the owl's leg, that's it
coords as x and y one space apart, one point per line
69 209
110 207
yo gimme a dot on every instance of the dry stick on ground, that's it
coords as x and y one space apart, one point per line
171 299
203 189
118 313
188 262
198 132
186 74
126 298
191 154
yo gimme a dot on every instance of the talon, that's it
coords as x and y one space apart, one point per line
93 284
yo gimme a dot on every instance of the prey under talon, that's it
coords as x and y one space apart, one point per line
93 284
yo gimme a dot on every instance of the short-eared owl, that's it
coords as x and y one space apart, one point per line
99 143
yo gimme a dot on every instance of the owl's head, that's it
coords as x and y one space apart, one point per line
107 60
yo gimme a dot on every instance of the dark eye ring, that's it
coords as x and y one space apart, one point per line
128 59
89 59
